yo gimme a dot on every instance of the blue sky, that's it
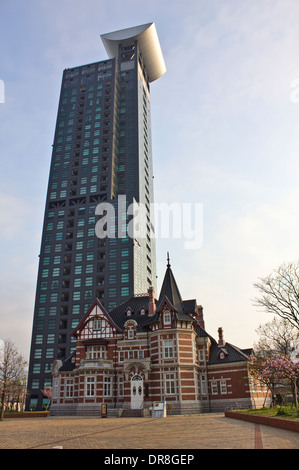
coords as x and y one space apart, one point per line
225 121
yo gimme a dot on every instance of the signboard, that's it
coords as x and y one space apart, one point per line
104 410
158 405
159 409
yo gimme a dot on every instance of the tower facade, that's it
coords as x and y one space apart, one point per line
101 170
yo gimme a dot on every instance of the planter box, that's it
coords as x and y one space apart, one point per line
36 414
288 424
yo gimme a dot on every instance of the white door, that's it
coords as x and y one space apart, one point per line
136 392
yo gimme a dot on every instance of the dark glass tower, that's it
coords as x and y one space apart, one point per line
101 164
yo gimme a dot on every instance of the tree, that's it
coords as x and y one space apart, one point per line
260 370
271 369
277 335
12 371
280 293
288 370
47 392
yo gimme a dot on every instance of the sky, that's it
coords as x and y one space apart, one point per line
225 122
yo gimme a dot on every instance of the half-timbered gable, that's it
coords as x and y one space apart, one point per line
96 324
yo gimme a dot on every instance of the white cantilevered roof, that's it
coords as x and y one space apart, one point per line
149 46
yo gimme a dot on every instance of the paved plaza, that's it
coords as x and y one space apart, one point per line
207 431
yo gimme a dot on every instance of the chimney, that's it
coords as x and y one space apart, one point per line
221 341
151 302
199 316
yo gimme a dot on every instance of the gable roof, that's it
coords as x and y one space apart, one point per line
98 306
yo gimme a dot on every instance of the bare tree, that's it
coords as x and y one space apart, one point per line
12 371
280 293
277 335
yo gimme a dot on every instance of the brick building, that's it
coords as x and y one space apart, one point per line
148 350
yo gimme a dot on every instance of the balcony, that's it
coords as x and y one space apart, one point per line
96 364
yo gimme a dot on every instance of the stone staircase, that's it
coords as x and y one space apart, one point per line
132 413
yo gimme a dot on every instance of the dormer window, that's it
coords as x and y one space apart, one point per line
130 334
222 353
167 318
129 312
142 311
130 329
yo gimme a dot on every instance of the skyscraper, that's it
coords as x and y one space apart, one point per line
101 164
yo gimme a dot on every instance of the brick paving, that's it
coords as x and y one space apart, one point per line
207 431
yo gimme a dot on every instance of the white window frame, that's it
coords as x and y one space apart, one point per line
131 334
69 388
90 386
167 318
140 354
131 354
223 387
169 383
97 324
96 352
168 349
214 387
107 387
121 356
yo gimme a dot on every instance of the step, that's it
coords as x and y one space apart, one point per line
132 413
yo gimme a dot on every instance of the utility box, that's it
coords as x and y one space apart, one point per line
159 409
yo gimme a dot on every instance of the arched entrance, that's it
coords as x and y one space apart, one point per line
136 392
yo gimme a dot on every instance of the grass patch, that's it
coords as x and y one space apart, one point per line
286 412
25 414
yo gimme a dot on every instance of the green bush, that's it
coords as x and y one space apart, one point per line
284 411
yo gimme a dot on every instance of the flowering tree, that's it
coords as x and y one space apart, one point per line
289 370
275 368
260 370
47 392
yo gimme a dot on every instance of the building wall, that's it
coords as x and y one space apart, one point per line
174 375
